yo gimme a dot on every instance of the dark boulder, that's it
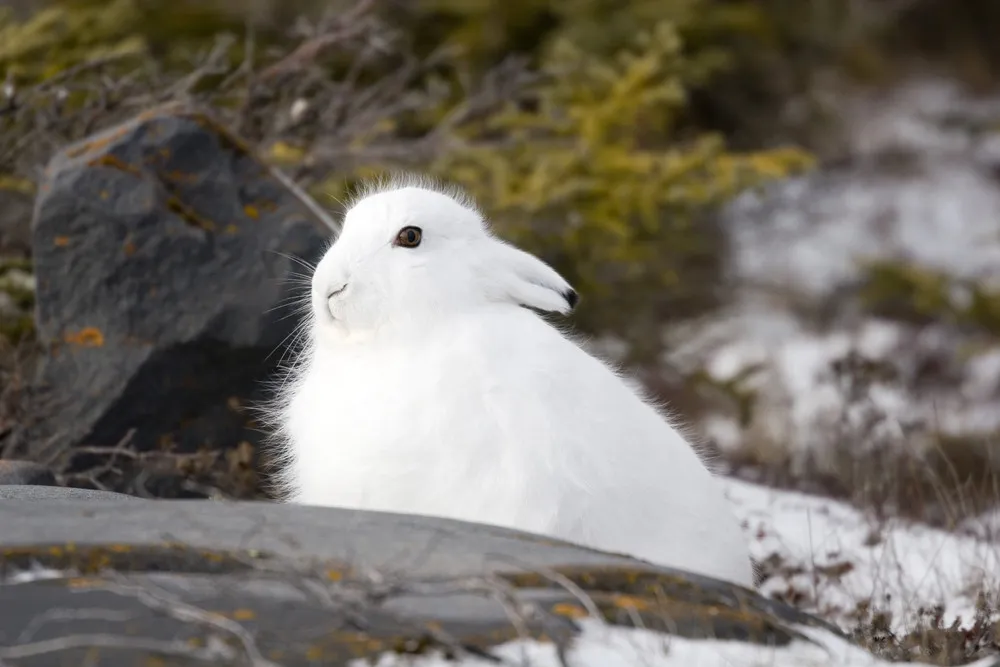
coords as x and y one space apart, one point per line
162 285
306 585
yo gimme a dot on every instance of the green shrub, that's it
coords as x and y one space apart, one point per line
913 293
592 176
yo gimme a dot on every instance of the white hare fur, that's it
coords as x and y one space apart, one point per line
426 386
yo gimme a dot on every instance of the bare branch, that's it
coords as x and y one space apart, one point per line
347 26
69 615
160 600
211 654
307 201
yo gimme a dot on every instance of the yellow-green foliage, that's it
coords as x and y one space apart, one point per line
487 30
593 177
746 59
912 292
71 32
55 38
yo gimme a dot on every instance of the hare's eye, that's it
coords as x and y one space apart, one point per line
409 237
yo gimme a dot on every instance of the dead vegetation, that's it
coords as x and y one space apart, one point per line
877 463
17 361
932 642
209 473
277 100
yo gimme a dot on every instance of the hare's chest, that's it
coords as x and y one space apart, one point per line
384 404
402 437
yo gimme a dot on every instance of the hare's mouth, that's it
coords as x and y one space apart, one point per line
331 300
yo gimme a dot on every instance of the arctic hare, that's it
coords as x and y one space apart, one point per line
428 385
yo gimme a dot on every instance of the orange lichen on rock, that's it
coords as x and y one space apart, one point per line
61 241
86 337
569 610
114 162
632 601
176 176
189 215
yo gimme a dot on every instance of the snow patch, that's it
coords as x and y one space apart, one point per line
838 556
601 645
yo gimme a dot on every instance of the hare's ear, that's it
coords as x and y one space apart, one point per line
521 278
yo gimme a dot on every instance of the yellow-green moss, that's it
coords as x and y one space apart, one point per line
595 178
916 293
56 38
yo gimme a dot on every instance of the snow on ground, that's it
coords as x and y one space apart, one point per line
836 556
604 646
800 404
937 203
939 206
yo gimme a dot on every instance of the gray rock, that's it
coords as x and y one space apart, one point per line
35 491
158 254
299 581
25 472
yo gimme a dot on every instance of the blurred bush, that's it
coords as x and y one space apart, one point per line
594 176
909 292
959 34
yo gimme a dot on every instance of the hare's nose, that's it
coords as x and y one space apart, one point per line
334 292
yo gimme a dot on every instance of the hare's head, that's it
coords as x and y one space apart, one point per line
409 254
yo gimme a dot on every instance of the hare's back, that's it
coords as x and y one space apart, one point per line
618 475
518 365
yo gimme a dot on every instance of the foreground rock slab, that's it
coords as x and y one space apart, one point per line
203 582
41 492
162 284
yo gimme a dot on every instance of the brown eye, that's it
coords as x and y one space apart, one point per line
409 237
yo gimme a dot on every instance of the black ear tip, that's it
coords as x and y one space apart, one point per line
572 298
